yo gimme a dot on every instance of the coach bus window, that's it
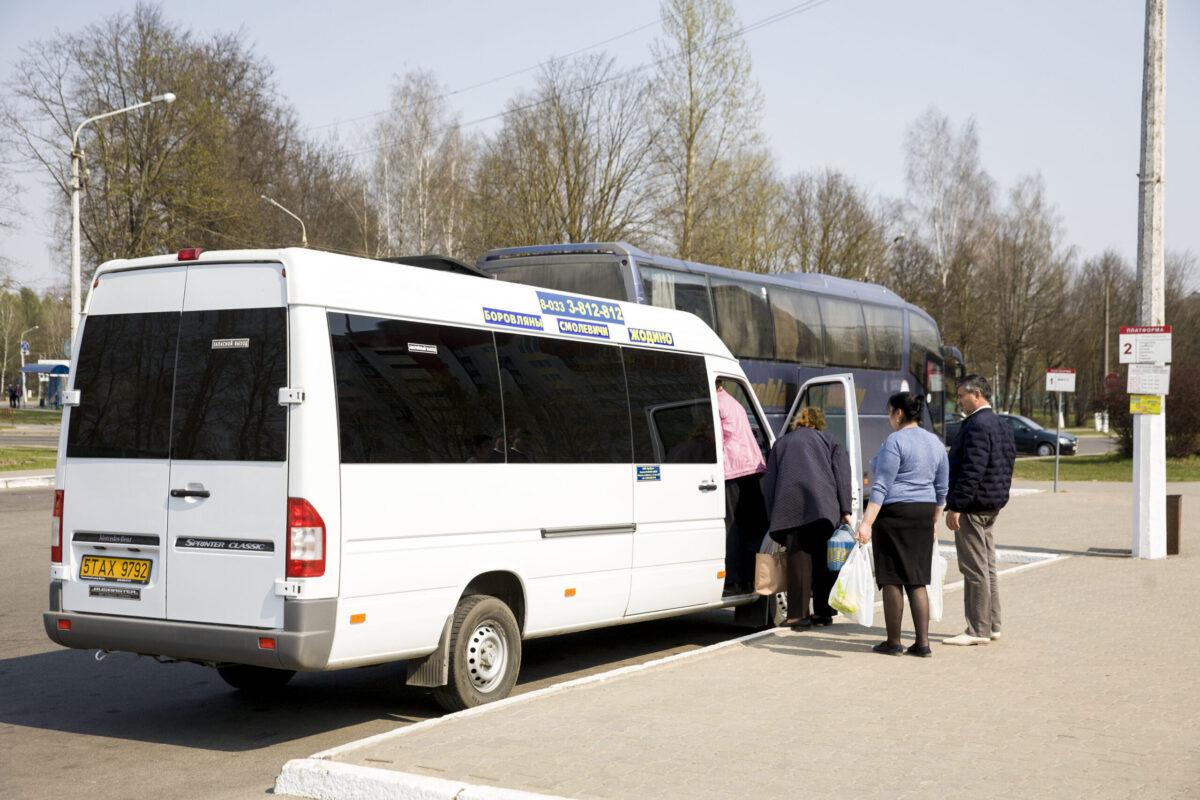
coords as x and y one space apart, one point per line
125 375
743 318
564 401
682 291
845 332
409 392
671 406
925 364
598 278
797 326
230 367
885 336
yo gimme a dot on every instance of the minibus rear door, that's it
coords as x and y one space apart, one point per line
835 396
227 501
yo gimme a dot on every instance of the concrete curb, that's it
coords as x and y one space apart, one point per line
26 481
333 780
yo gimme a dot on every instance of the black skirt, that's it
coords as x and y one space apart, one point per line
903 538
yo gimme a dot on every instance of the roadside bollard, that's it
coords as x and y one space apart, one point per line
1174 512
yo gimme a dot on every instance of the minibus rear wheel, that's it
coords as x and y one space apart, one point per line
254 680
485 654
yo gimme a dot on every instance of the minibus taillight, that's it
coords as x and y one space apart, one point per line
306 540
56 528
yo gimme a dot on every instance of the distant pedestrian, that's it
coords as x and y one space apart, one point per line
745 511
981 467
807 487
12 396
909 477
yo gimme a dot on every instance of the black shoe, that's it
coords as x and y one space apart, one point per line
802 625
883 648
921 650
822 622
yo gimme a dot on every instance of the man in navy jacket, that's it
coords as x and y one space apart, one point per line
981 466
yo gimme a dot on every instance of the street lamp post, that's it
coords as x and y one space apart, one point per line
21 347
76 187
303 230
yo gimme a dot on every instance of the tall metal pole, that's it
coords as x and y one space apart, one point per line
1150 430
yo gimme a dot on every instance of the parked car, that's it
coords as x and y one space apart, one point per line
1033 438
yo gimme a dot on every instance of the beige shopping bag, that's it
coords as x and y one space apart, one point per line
770 572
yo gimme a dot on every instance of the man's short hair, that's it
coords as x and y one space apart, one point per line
976 383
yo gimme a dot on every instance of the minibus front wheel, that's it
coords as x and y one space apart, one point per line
254 680
485 654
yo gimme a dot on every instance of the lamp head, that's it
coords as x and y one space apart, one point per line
167 97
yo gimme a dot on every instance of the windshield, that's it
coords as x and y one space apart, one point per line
1026 420
592 275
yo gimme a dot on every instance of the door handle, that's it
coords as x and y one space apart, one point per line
707 486
190 493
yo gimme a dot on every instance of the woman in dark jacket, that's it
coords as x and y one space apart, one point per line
807 488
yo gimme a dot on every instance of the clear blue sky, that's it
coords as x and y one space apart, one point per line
1055 86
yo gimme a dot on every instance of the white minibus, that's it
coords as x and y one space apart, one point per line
285 460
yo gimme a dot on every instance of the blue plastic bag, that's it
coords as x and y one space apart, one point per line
839 547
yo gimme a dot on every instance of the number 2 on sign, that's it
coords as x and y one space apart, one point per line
1128 349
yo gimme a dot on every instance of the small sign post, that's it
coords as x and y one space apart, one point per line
1059 380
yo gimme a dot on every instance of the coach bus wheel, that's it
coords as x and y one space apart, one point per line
246 678
485 654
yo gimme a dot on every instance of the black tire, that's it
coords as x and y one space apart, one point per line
1044 449
480 621
255 680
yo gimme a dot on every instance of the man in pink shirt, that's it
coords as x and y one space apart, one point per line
745 509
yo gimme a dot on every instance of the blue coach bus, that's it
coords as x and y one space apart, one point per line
784 329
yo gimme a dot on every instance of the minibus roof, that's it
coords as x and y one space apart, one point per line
368 286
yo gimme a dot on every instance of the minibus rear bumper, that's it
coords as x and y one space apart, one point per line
304 642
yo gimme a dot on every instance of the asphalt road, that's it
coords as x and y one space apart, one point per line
129 727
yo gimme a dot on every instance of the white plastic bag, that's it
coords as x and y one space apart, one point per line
854 592
937 577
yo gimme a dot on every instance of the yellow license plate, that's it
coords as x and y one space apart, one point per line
119 570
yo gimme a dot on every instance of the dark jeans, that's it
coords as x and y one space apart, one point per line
745 527
808 577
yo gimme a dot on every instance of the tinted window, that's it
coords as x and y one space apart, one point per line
599 278
797 326
410 392
925 364
564 401
671 406
885 335
682 291
231 365
845 334
743 318
125 373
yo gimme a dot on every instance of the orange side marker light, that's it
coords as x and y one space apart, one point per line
358 619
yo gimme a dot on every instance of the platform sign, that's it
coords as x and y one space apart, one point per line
1145 404
1148 379
25 348
1060 380
1144 344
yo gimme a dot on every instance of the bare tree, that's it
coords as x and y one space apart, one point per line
709 104
834 229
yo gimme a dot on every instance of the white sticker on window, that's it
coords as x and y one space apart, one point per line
431 349
228 344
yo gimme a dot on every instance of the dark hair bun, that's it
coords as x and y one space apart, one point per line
908 403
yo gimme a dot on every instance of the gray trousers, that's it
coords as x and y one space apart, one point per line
977 562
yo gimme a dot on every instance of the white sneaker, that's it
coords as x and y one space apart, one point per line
965 639
995 635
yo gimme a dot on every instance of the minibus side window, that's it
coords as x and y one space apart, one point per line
564 401
671 406
411 392
125 374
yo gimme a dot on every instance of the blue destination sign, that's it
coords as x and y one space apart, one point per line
512 319
648 472
562 305
595 330
643 336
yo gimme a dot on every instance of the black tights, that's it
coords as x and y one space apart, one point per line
893 612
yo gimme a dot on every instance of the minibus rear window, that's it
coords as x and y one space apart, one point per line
231 366
671 406
125 373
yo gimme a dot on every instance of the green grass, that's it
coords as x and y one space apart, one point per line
28 416
1111 467
20 458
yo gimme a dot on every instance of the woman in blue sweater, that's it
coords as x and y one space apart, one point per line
910 477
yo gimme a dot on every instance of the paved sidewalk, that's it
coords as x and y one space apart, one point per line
1088 694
